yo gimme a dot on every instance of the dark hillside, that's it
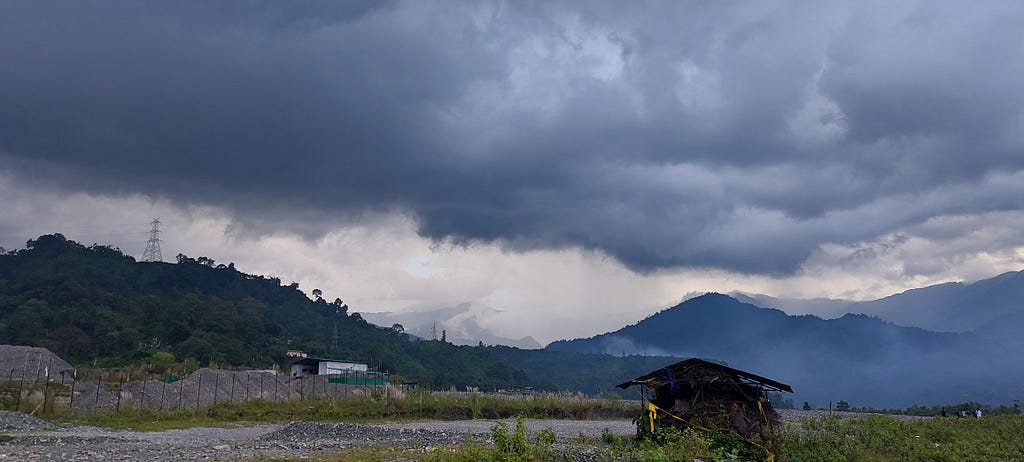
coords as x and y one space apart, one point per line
95 305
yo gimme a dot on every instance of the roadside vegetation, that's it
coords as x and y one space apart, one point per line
875 438
376 407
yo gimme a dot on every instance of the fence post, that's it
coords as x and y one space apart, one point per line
74 380
199 390
142 398
232 388
46 385
21 386
163 392
247 380
216 385
120 389
96 404
181 388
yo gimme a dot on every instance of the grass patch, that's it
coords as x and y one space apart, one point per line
883 438
418 405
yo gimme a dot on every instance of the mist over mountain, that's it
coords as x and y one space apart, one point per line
825 308
461 325
861 359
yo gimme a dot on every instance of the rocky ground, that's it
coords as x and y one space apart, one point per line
25 438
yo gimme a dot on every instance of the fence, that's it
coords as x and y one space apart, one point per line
96 389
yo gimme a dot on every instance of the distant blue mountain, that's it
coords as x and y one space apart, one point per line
954 307
991 307
857 358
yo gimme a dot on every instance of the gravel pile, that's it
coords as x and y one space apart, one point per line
30 363
20 422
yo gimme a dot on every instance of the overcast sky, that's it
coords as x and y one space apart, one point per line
586 161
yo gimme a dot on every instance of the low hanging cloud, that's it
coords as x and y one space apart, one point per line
737 136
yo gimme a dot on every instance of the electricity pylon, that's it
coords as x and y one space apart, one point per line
152 252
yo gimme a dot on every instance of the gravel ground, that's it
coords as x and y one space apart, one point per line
26 438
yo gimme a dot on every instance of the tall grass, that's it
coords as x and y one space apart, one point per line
376 407
883 438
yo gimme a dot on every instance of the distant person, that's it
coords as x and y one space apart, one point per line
943 412
977 413
963 413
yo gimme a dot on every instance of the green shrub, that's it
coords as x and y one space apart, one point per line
883 438
518 446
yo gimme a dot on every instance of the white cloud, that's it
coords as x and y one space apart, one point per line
381 264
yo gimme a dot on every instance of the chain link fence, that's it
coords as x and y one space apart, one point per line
37 381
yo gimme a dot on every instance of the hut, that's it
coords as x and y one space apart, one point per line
698 392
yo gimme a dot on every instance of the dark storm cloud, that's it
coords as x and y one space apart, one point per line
737 136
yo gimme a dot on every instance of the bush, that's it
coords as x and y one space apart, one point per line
517 446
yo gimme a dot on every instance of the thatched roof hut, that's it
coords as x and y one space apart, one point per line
695 392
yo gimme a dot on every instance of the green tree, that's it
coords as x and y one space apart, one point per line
162 360
340 307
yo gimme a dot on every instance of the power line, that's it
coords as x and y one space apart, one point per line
70 226
92 236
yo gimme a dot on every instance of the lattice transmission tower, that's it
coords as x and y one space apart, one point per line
152 252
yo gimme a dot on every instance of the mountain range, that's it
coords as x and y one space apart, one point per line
857 358
949 343
992 307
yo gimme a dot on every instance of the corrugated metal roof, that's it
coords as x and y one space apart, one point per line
656 378
312 360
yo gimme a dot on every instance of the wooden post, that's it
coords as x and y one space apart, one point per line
142 398
99 378
120 389
181 388
199 390
163 391
74 380
46 386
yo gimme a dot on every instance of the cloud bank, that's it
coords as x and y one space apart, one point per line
741 137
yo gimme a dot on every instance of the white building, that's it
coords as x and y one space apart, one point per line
324 366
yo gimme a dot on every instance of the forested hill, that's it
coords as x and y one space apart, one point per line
95 305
